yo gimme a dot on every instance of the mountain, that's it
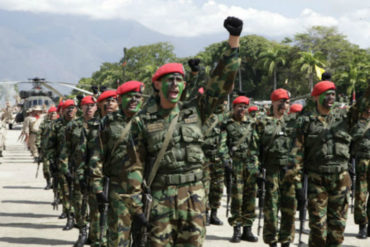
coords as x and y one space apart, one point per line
67 47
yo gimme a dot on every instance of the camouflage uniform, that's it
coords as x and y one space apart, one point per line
94 145
178 211
323 145
361 151
42 138
124 176
55 145
277 137
245 170
71 158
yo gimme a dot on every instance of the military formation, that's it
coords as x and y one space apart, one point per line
129 171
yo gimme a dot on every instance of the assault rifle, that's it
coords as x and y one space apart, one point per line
228 180
103 211
302 210
54 171
353 175
261 200
38 167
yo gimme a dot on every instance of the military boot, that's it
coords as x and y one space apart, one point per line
82 237
362 234
236 236
207 218
248 235
214 220
48 184
285 244
368 230
1 153
69 224
63 216
273 245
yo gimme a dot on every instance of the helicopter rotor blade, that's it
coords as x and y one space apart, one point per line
51 88
70 85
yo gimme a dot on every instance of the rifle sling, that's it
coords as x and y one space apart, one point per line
166 141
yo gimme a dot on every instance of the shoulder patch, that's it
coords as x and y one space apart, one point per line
191 119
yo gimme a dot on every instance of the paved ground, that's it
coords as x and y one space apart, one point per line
27 218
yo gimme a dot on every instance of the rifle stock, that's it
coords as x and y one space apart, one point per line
302 210
353 184
261 201
104 212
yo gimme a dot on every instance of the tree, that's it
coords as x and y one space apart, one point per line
271 58
307 62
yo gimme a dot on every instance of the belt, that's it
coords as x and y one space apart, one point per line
176 179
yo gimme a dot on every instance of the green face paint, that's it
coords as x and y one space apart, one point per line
172 86
326 99
131 101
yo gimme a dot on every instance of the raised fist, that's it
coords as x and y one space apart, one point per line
94 89
233 25
194 64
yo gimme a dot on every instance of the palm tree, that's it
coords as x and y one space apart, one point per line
271 58
356 73
307 62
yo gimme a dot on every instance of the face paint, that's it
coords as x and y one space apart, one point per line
240 110
172 86
131 101
327 98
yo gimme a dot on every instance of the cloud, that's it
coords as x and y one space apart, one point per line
193 18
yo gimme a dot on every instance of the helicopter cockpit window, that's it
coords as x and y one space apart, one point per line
46 102
39 102
34 102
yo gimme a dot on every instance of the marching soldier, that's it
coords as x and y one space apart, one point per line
111 161
242 142
322 146
107 104
168 139
361 153
42 137
55 145
32 129
277 134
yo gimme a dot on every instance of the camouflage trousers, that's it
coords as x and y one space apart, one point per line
46 169
77 199
243 194
178 215
94 232
328 196
362 209
64 189
280 196
217 171
119 218
206 182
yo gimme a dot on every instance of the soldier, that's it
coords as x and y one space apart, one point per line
214 148
55 145
107 104
174 175
294 108
242 142
322 145
252 111
42 138
113 163
32 129
2 136
361 152
277 133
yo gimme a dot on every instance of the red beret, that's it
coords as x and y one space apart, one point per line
68 103
87 100
279 94
107 94
295 108
60 105
52 109
201 90
253 108
321 87
240 100
167 69
130 86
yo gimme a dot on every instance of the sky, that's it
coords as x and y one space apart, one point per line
189 18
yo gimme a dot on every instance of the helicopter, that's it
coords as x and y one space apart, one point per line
38 97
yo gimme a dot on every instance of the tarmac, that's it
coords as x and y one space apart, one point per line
27 218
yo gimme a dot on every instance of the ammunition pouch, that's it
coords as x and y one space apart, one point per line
177 179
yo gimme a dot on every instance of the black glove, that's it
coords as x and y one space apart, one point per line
103 89
79 97
53 168
101 198
69 177
94 89
194 64
140 220
233 25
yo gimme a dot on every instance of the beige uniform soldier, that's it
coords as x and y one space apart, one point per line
2 137
32 127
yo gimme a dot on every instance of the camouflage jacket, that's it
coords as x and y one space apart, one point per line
242 148
360 147
109 157
42 135
183 160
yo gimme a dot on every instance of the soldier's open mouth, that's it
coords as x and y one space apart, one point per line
173 94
